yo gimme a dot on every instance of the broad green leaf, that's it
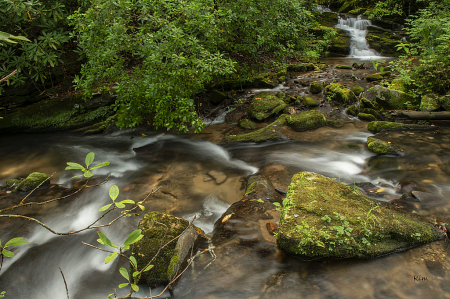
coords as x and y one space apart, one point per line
111 257
7 253
100 165
135 273
124 273
113 192
15 242
133 237
120 205
141 207
88 174
73 165
135 287
133 261
105 241
277 204
122 285
148 268
260 200
89 158
128 201
104 208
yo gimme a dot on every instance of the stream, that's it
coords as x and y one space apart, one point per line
139 162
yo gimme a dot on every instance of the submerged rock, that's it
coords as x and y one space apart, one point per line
170 258
339 93
322 218
32 181
265 104
378 126
306 120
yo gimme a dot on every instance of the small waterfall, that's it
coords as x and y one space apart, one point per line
357 28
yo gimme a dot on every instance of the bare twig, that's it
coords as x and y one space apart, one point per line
8 76
65 283
97 247
37 187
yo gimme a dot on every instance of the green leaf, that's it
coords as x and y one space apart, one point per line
104 208
123 285
88 174
103 164
277 204
111 257
148 268
120 205
135 273
260 200
7 253
133 237
141 207
128 201
135 287
113 192
15 242
133 261
73 165
124 273
104 240
89 158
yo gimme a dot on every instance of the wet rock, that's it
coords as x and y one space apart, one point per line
343 67
336 221
315 87
339 93
373 112
217 97
306 120
392 99
383 41
12 183
218 176
366 117
279 175
378 126
265 104
378 76
171 257
309 102
352 110
379 146
270 132
357 90
429 199
301 67
247 124
365 103
32 181
429 103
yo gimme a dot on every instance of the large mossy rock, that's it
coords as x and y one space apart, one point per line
340 44
32 181
306 120
392 99
379 146
171 257
270 132
383 41
429 103
315 87
322 218
340 93
378 126
265 104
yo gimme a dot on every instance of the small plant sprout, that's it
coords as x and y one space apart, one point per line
12 242
131 239
114 193
87 171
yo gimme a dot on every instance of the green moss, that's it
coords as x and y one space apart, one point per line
281 79
12 183
372 112
367 117
378 76
265 104
322 218
365 103
429 103
154 237
339 93
306 120
340 44
357 90
343 67
247 124
445 102
315 87
379 146
301 67
270 132
352 110
397 84
357 11
32 181
378 126
392 99
309 102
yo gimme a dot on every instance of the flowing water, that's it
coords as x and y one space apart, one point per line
139 163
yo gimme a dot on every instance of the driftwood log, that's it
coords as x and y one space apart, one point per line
441 115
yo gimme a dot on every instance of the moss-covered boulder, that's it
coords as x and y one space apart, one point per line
247 124
371 111
366 116
343 67
340 44
12 183
315 87
309 102
378 126
378 76
357 90
217 97
270 132
379 146
383 41
306 120
429 103
322 218
32 181
352 110
397 84
392 99
265 104
170 258
445 102
365 103
339 93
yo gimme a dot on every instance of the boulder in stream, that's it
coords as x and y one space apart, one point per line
379 146
340 93
265 104
32 181
392 99
270 132
315 87
429 103
323 218
306 120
